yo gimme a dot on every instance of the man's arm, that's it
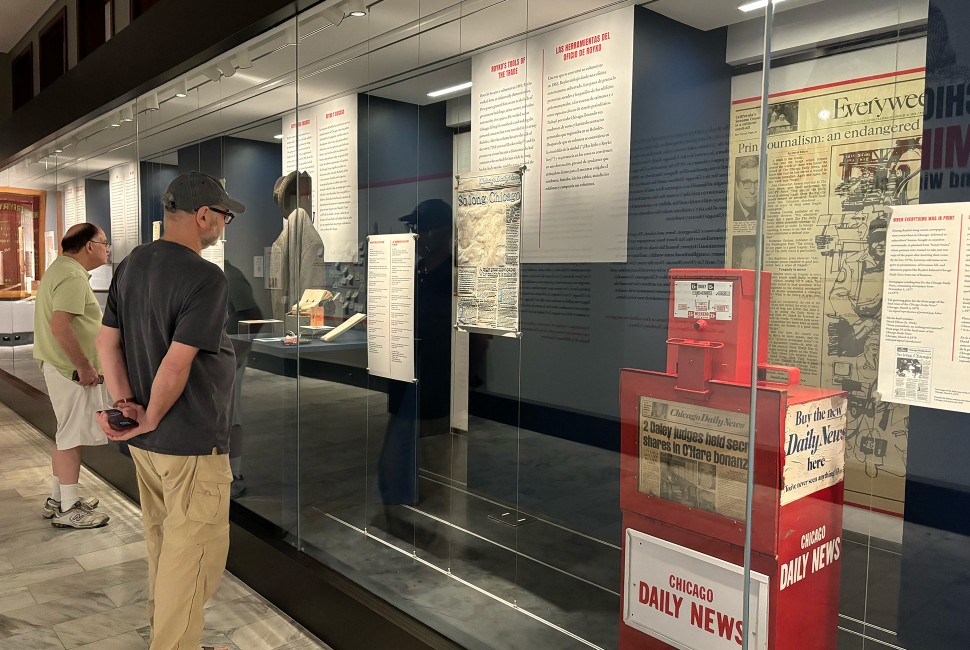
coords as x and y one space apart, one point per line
66 337
113 362
170 380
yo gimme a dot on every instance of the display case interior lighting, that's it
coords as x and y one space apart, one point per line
450 89
226 67
242 59
278 136
150 102
758 4
212 73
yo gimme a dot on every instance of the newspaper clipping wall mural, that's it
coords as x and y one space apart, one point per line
694 456
488 231
839 155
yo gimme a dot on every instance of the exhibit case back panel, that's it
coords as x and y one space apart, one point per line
576 324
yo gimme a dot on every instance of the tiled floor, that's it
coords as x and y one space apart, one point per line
62 588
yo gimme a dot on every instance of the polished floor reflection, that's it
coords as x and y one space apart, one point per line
86 588
311 464
552 582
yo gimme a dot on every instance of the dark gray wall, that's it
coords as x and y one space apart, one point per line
250 168
936 533
404 157
155 178
97 204
581 323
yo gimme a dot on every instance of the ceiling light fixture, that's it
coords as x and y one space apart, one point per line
758 4
151 102
212 73
126 114
334 15
450 89
243 60
356 8
180 89
278 136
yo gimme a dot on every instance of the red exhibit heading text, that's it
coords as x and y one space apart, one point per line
942 217
293 125
508 68
582 47
335 113
667 602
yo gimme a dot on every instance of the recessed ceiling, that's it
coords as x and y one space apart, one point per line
17 17
711 14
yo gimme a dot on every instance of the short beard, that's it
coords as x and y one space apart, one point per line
207 242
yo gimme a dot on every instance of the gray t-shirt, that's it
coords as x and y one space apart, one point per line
164 292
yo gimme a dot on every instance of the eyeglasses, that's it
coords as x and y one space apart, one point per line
229 216
106 244
749 185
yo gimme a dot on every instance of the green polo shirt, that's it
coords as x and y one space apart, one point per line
66 287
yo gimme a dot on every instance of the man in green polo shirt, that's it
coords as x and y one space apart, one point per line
67 319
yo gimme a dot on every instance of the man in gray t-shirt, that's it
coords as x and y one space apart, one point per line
163 347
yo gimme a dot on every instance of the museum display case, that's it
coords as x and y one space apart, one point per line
561 324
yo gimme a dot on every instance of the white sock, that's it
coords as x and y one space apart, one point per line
235 464
55 488
68 496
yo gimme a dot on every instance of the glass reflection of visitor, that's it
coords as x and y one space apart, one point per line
422 408
241 305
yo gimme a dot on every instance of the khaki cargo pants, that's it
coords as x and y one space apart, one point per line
185 509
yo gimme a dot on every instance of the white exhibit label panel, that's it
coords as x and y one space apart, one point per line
488 233
814 447
70 207
299 143
336 182
322 141
216 254
123 205
699 299
50 245
75 211
690 600
390 306
560 104
924 348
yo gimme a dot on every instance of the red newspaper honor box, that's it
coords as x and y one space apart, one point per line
683 483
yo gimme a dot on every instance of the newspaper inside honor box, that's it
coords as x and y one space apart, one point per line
708 300
814 447
688 599
694 456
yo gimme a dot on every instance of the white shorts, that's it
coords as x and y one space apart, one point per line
74 407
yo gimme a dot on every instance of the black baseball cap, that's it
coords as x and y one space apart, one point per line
428 215
192 190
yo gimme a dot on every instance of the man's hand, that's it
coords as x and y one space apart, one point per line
87 375
130 410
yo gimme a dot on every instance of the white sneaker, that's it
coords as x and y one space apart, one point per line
52 507
79 517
